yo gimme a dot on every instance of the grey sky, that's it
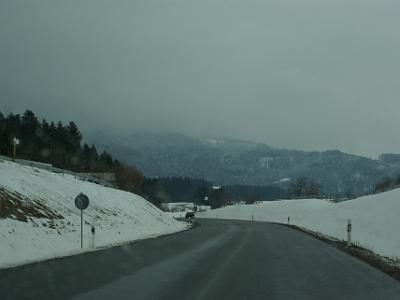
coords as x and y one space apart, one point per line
297 74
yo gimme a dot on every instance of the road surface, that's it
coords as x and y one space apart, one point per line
220 259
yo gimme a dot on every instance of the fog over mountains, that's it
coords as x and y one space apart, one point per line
232 161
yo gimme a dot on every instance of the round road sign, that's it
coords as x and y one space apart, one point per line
82 201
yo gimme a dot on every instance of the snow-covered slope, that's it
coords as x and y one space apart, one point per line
375 219
38 218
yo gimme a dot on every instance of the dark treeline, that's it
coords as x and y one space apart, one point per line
49 142
305 187
61 145
252 194
176 189
387 183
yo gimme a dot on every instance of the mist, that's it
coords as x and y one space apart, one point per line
310 75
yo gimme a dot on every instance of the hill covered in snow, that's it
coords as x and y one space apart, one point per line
39 220
375 219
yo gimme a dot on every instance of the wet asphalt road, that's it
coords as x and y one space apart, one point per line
220 259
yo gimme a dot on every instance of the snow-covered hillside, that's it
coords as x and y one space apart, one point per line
375 219
38 218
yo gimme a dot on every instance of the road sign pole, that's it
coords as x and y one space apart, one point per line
81 202
81 228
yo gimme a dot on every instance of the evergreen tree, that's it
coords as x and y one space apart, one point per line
29 129
105 162
74 137
217 198
199 195
85 160
93 159
2 132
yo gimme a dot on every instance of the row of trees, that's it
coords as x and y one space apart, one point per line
176 189
61 146
305 187
251 194
387 183
186 189
51 142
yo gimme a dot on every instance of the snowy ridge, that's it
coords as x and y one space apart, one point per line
38 218
375 219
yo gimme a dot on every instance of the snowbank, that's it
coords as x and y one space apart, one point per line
38 218
375 219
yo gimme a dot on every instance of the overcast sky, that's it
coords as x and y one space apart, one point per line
304 74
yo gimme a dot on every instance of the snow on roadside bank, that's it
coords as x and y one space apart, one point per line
38 218
375 219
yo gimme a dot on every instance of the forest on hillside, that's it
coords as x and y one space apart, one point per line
62 146
51 142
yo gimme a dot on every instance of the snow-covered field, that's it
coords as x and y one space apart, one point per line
375 219
179 209
39 220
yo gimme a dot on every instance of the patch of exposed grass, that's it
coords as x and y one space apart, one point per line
16 206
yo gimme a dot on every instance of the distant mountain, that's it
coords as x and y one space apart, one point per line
393 159
232 161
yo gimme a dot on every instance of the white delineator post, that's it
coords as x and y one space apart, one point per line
93 231
349 233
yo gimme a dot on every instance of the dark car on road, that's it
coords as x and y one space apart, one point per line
189 216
